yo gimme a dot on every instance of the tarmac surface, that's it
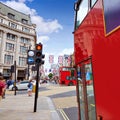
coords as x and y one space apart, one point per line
21 107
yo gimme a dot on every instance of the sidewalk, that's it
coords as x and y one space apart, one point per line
21 107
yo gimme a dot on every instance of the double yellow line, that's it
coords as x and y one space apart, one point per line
63 114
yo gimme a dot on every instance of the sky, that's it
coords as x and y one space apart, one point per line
55 23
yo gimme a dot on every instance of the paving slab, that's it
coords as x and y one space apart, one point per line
21 107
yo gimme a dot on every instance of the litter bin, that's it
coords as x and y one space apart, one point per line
34 87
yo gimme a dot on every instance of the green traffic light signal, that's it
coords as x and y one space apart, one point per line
38 60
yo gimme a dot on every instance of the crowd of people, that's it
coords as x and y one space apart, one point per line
4 84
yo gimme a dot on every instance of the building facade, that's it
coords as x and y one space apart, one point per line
17 35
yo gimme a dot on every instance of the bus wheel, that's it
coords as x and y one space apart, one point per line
70 84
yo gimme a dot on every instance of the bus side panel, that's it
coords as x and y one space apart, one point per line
63 76
91 40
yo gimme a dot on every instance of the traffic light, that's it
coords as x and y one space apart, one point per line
38 54
43 56
34 68
25 71
12 69
31 57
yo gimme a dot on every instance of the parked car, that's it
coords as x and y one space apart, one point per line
22 85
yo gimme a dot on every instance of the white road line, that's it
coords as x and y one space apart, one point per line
63 114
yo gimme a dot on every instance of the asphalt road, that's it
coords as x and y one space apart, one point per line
64 98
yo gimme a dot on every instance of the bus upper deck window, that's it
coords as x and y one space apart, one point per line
82 12
93 2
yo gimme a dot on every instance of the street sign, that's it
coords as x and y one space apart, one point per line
31 57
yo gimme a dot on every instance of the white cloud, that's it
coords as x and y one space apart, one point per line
42 39
22 1
20 6
67 51
43 26
25 0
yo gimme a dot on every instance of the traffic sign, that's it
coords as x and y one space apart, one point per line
31 57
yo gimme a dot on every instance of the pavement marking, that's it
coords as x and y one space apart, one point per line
92 105
53 111
65 117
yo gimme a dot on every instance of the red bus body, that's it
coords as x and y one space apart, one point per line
97 45
65 76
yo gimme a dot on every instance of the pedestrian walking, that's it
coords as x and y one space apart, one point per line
2 87
3 96
10 82
30 87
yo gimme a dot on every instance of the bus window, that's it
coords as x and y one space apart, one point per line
86 91
88 73
68 77
82 12
93 2
90 92
72 73
79 73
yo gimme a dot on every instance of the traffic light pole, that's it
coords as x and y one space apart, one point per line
15 76
35 57
36 90
28 72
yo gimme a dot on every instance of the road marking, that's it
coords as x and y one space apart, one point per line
92 105
53 111
63 114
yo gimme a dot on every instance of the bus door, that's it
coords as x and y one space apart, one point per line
85 83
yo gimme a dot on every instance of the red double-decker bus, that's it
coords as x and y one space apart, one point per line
97 58
67 76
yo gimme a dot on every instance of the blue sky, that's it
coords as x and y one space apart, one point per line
55 24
